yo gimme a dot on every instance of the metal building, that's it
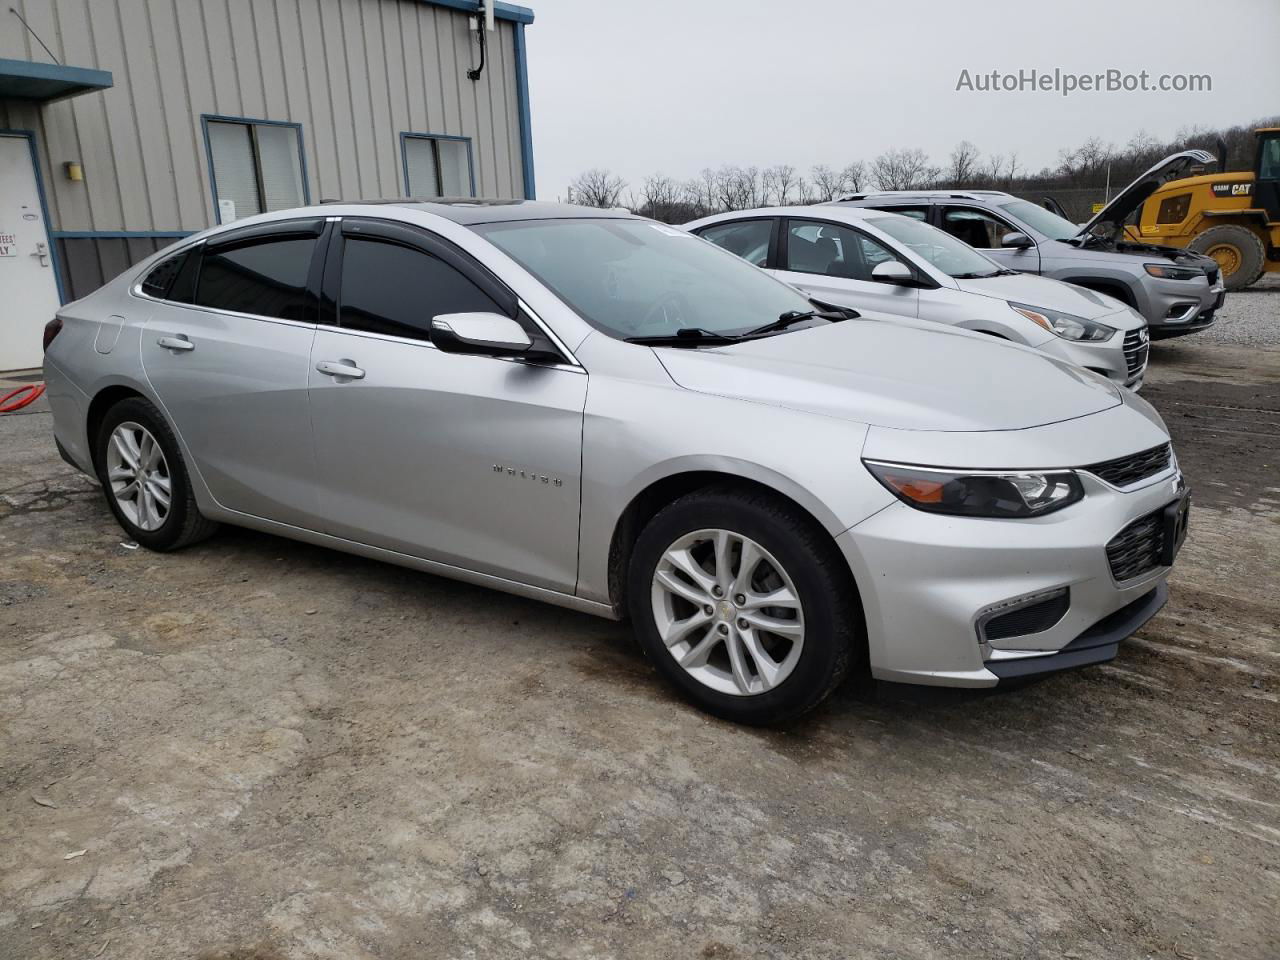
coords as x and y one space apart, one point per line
127 123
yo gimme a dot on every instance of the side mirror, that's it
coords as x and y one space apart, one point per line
1016 240
893 271
489 334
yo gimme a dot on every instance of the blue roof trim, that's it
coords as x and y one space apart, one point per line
503 11
522 105
28 80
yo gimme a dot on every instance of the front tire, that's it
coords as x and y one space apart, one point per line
1237 250
744 604
145 479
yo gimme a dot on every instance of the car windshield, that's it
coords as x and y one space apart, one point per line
951 256
1044 221
637 278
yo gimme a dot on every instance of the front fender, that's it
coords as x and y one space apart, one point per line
813 460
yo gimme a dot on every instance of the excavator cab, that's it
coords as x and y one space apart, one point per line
1267 173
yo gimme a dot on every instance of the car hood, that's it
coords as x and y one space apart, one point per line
1051 294
895 372
1131 197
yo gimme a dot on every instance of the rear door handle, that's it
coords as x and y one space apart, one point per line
180 343
342 369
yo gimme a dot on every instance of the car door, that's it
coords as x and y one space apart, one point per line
472 461
751 239
984 230
227 349
833 262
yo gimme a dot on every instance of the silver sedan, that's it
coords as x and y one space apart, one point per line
600 411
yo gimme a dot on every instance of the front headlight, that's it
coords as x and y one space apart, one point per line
1166 272
1064 324
971 493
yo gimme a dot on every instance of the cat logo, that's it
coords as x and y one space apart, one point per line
1232 189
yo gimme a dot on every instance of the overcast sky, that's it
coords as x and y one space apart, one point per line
672 86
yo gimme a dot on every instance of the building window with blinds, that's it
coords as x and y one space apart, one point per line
256 167
437 166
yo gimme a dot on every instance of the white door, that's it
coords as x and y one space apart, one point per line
28 288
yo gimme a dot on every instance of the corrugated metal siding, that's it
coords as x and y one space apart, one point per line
89 262
354 73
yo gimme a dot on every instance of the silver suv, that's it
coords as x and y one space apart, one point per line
1177 291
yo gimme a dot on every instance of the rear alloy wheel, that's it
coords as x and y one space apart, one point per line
139 476
1237 250
141 469
744 603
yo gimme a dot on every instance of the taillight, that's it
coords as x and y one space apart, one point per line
51 330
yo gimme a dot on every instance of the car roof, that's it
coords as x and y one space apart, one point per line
926 195
808 211
470 210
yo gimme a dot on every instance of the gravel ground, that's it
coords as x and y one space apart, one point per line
1249 318
258 750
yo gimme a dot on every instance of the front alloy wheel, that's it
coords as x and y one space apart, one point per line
728 612
744 603
139 476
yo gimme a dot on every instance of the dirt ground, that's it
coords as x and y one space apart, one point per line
257 749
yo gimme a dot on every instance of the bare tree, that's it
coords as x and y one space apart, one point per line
661 198
855 176
903 170
962 168
597 188
827 184
783 180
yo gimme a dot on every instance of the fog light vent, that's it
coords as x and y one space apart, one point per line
1018 618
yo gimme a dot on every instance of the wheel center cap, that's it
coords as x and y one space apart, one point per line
726 610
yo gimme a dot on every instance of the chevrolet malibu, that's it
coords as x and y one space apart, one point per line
599 411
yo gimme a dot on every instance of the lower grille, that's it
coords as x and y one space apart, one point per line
1135 351
1029 619
1124 471
1136 549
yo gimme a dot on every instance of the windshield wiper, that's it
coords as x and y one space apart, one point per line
685 337
792 317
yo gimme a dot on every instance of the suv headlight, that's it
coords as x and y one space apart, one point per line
1064 324
1166 272
974 493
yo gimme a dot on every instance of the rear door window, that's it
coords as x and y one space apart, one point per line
264 276
749 239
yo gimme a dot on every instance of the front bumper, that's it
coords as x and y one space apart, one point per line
1176 307
1107 358
927 581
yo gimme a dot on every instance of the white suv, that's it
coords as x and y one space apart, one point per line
870 260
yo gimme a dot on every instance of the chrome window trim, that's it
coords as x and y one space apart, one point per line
228 313
428 345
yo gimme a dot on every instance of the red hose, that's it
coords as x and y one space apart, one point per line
9 405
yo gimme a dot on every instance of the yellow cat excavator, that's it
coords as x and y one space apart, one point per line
1232 217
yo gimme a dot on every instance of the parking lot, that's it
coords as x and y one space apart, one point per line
259 749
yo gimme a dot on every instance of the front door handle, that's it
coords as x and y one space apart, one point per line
179 343
342 369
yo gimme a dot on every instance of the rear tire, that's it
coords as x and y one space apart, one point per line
745 660
145 479
1236 245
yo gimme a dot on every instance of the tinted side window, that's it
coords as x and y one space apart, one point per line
160 279
975 227
915 213
396 290
832 250
749 239
267 277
